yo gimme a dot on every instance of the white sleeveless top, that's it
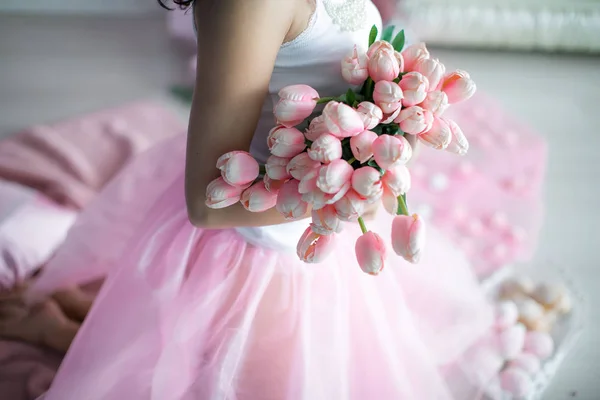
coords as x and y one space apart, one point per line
313 58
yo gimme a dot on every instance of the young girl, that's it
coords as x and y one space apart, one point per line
214 304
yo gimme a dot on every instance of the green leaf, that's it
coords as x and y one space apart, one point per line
387 33
373 35
350 97
378 129
393 129
399 40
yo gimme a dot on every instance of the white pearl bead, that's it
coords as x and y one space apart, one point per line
349 15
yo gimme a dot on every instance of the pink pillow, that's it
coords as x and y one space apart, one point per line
31 229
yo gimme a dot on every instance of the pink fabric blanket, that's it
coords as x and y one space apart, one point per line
71 160
68 162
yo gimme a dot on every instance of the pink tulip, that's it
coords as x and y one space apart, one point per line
257 198
285 142
295 104
436 102
301 165
383 64
379 45
389 199
370 253
308 183
458 143
276 168
414 87
366 181
333 176
413 54
272 185
400 59
220 194
362 145
342 120
414 120
431 69
325 149
314 248
325 221
355 67
316 128
388 118
350 207
439 136
370 114
388 96
319 199
459 86
238 168
389 150
397 179
408 237
289 201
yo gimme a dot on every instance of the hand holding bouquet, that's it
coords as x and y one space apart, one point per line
341 161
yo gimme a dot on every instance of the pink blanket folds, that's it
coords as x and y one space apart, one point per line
67 162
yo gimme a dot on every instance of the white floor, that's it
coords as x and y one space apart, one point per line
55 67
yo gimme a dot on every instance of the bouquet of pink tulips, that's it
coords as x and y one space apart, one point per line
341 161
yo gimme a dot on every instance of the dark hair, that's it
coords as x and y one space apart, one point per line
182 4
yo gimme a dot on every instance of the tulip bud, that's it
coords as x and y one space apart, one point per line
362 145
370 114
436 102
325 221
342 120
289 201
314 248
431 69
301 165
220 194
439 136
325 149
355 67
350 207
387 96
408 237
272 185
333 176
414 87
285 142
458 142
296 103
414 120
383 62
459 86
414 53
257 198
370 253
276 168
397 179
366 181
238 168
316 128
389 150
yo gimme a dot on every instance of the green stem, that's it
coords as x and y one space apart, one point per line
363 227
325 100
351 161
402 208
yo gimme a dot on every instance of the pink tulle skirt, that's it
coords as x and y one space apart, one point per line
187 313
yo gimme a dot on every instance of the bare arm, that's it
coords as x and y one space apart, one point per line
238 42
387 8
